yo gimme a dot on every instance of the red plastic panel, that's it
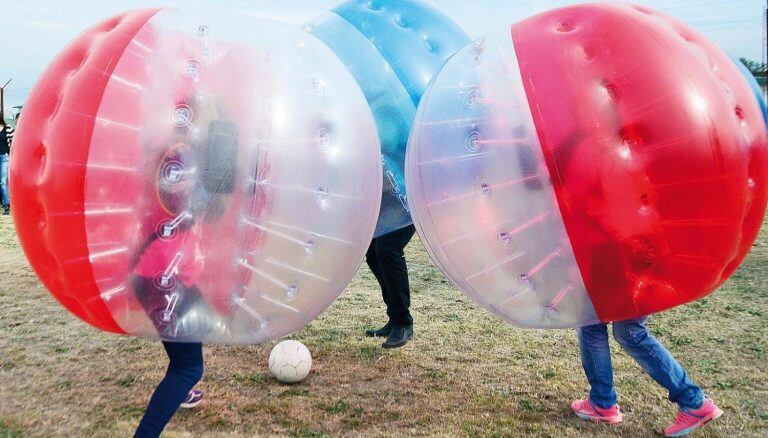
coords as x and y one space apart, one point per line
656 148
57 249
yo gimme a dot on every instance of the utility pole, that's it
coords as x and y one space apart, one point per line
2 99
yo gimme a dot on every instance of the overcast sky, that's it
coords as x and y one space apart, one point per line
33 31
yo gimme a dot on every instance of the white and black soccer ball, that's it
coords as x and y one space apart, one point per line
290 361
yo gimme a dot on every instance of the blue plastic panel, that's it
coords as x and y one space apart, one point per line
393 48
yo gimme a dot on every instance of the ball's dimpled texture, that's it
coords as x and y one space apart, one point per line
220 183
393 48
290 361
637 164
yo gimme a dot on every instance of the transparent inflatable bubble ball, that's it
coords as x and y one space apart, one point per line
598 162
194 176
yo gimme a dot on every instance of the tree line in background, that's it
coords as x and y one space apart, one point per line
758 69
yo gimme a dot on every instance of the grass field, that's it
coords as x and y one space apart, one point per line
466 373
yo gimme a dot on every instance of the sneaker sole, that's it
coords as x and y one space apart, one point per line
190 405
398 345
713 416
606 420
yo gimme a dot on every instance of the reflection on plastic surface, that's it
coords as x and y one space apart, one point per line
606 162
393 48
214 185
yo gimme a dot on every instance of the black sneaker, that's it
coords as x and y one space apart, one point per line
380 333
399 336
6 210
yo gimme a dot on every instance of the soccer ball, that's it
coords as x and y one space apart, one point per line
290 361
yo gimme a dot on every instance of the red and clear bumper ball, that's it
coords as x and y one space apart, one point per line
597 163
190 176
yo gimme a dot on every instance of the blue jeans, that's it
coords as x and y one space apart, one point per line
184 371
4 179
657 361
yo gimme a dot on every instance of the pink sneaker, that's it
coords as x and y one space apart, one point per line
691 419
587 411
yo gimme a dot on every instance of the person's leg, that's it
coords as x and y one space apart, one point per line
4 179
595 351
596 360
658 362
185 369
373 263
390 254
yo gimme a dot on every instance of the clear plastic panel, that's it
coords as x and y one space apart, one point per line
481 196
233 181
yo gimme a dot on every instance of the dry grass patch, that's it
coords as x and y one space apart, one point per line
466 372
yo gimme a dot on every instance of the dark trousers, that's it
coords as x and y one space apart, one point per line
184 371
386 259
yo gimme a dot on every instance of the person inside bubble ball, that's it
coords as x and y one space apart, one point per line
695 408
168 265
386 259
